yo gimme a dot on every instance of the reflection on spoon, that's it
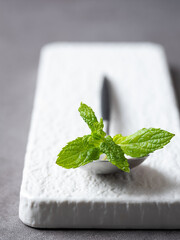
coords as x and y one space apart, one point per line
105 167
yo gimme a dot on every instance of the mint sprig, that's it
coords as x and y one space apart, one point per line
88 148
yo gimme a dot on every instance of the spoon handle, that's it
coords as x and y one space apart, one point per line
105 104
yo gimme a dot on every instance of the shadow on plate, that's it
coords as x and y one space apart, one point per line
143 180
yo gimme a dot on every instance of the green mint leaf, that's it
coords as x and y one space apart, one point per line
97 131
143 142
118 138
88 115
90 118
114 154
79 152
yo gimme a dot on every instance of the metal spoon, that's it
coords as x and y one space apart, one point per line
104 166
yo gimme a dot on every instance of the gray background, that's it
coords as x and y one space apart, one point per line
25 26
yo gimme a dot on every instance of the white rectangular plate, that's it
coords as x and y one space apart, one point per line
142 96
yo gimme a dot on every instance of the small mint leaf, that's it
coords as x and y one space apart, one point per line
114 154
90 118
88 115
118 138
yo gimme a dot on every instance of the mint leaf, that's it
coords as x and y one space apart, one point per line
90 118
114 153
88 115
78 152
143 142
118 138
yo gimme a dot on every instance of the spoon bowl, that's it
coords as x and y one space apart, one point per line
105 167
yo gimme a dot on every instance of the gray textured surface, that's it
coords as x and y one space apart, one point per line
27 25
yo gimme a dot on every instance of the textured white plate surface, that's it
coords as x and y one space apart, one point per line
142 96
